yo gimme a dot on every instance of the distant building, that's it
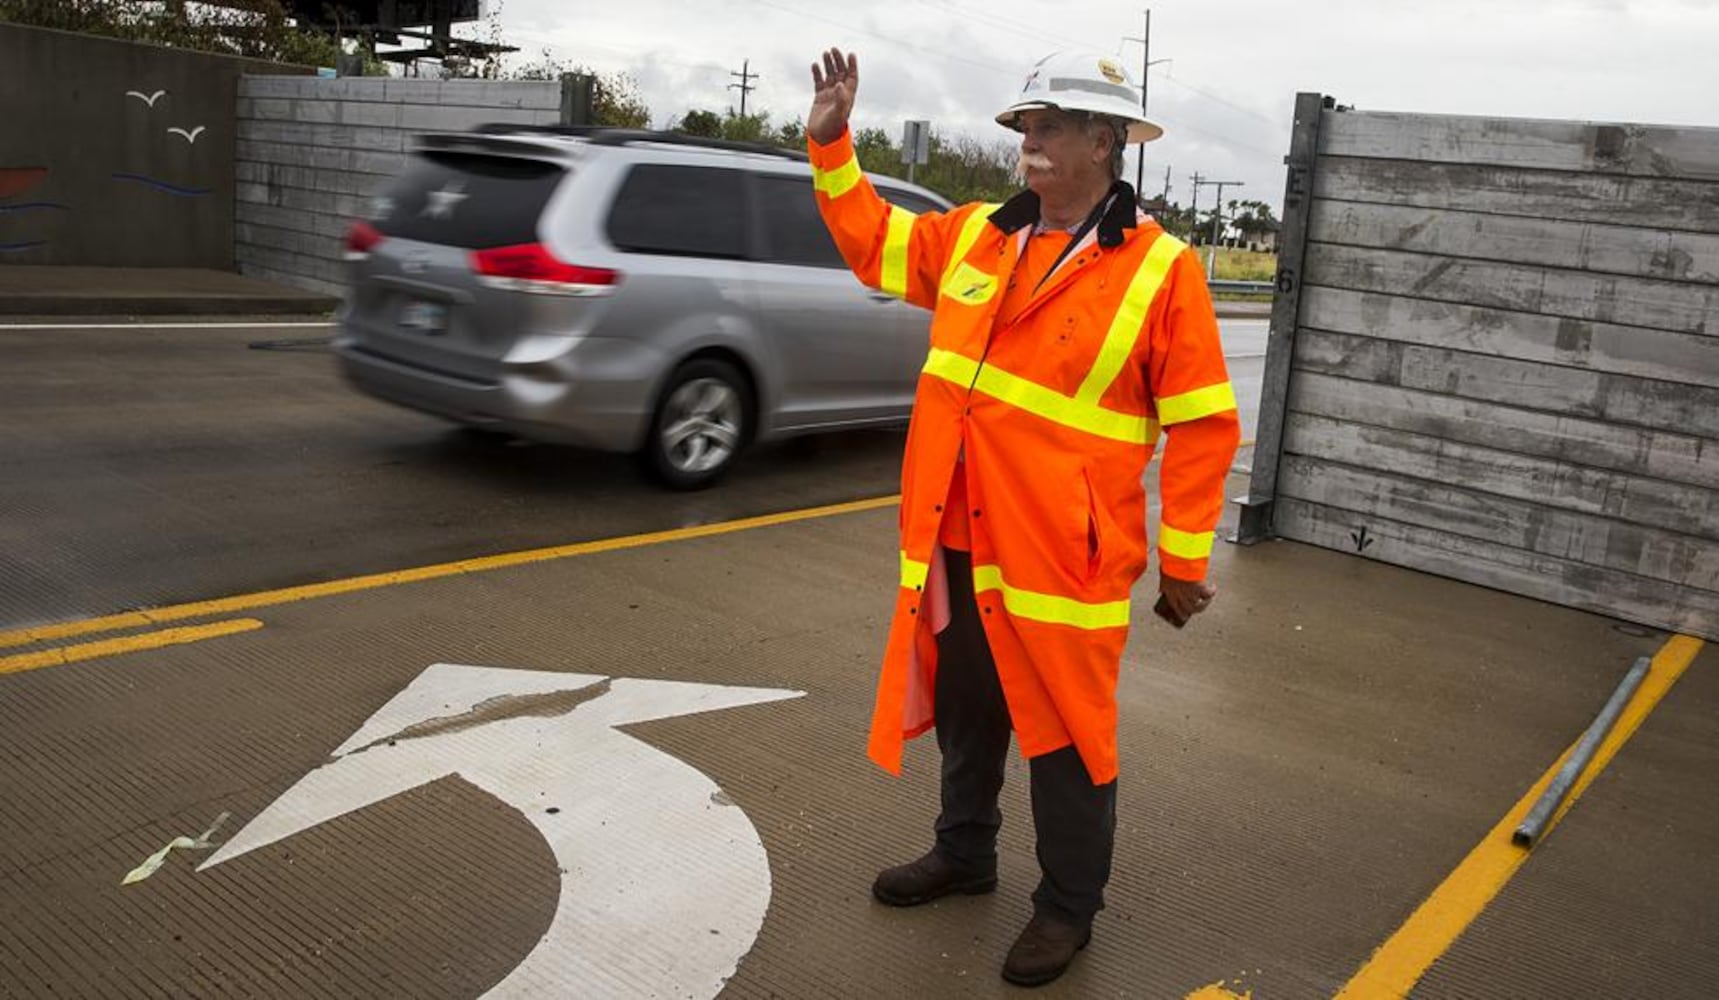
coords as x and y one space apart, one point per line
1256 234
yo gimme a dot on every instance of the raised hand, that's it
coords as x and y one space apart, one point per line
833 88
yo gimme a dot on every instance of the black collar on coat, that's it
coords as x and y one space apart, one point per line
1023 210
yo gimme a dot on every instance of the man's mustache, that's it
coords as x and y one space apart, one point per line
1032 161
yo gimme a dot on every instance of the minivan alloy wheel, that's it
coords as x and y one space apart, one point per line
702 429
702 421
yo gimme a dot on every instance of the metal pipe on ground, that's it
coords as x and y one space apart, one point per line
1534 824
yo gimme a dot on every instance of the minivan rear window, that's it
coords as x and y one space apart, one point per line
467 200
686 211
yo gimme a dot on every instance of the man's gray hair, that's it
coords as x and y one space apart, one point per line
1092 124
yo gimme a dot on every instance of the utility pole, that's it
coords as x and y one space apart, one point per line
1146 65
1217 217
1166 198
1194 205
745 85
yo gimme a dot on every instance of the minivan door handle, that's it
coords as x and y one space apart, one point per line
881 297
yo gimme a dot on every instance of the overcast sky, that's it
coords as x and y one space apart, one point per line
1225 96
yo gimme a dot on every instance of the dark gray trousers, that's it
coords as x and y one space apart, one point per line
1075 821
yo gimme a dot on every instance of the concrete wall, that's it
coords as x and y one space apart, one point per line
90 173
312 152
1504 358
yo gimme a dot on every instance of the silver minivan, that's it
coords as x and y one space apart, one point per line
644 292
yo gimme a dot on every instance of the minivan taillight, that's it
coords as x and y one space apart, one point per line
361 239
530 267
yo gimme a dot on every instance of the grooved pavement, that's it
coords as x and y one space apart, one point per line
1300 768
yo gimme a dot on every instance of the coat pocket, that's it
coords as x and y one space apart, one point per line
1094 527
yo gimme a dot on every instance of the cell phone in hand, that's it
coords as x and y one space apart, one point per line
1163 610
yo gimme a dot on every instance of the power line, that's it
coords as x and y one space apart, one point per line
893 41
1020 28
1208 95
549 41
1224 139
1037 33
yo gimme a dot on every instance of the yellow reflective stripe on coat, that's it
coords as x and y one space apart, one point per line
839 181
1185 544
1049 607
1130 317
968 236
913 573
1039 400
1186 406
893 278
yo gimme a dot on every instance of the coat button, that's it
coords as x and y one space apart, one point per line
940 508
978 513
912 611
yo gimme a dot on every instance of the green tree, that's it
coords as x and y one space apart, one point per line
791 135
1252 219
617 101
1177 219
747 128
876 153
731 126
700 123
961 168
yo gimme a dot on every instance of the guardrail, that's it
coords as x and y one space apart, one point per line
1253 287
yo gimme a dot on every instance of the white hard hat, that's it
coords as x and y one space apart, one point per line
1083 81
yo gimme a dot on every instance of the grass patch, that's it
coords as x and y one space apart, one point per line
1243 265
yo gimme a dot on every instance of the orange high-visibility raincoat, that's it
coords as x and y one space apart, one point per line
1056 415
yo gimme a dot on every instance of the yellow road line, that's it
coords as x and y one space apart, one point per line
47 633
1398 965
127 644
287 595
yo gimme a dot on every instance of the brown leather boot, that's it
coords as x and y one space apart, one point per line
927 879
1044 950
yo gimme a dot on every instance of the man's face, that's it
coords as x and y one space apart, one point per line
1057 153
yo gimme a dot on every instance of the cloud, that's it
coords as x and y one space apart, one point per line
1226 95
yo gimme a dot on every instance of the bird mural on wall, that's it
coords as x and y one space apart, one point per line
190 135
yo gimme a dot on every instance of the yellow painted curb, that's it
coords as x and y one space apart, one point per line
1398 964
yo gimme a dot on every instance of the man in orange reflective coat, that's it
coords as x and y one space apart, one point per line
1069 332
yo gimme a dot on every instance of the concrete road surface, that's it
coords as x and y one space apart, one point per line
443 719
